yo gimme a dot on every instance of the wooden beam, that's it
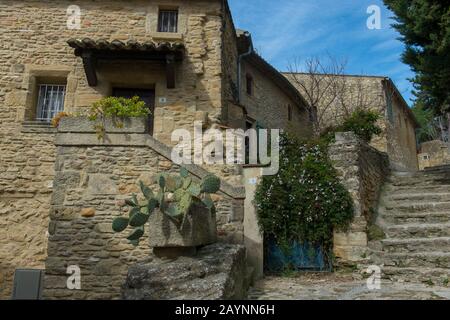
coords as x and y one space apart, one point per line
170 71
89 68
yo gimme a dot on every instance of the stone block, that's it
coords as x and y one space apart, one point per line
351 239
217 272
87 212
84 125
200 229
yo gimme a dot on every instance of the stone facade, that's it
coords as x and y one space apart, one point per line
34 51
363 170
269 105
94 176
433 153
398 137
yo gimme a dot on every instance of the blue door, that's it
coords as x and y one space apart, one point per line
299 256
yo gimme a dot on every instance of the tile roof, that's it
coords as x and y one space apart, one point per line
131 45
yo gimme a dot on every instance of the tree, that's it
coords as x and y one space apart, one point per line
332 96
424 26
425 118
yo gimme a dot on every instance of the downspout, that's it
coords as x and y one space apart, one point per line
239 66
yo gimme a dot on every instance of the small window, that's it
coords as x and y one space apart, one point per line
50 101
168 21
249 82
289 112
426 157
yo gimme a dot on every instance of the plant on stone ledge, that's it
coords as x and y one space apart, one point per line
363 123
116 108
175 198
305 201
57 119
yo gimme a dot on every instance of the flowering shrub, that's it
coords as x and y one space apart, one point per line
305 201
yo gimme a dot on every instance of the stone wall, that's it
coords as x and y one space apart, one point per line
268 104
92 180
434 153
363 170
26 177
34 49
402 144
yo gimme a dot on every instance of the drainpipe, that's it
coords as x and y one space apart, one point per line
239 66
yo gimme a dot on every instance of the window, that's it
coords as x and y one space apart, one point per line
168 21
249 83
50 101
289 112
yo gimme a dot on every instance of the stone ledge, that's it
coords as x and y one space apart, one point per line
83 125
111 139
170 36
37 127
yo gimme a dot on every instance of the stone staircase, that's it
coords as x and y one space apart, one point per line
414 214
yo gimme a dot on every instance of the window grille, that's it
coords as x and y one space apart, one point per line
50 101
168 21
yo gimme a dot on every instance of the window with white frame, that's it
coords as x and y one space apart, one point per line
168 21
50 101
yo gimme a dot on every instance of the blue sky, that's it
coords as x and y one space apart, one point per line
285 31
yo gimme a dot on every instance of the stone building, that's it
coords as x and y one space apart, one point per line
433 153
185 59
398 124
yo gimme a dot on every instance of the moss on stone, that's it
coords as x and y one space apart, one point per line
374 232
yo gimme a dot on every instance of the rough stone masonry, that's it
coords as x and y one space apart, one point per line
92 180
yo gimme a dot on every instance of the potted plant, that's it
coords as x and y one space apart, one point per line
180 215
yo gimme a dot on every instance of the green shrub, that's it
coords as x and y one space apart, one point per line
116 108
363 123
305 201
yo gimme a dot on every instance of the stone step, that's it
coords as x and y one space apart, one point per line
425 179
410 207
432 276
417 259
416 217
416 245
418 230
437 169
416 189
419 196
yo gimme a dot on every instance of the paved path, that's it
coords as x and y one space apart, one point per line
311 286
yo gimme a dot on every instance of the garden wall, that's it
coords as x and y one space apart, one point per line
92 178
363 170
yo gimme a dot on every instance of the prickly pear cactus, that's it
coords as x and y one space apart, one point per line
176 196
